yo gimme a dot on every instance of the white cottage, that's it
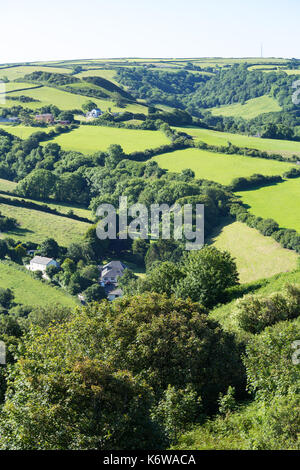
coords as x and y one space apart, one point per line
41 263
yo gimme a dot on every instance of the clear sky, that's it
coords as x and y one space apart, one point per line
68 29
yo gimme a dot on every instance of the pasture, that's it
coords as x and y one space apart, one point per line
280 202
256 256
6 185
16 72
30 291
108 74
66 100
249 110
61 99
62 207
90 139
218 167
286 148
23 131
36 225
13 86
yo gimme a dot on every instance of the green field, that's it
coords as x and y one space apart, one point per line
256 256
62 99
281 202
13 73
104 73
249 110
6 185
30 291
23 131
89 139
283 147
60 206
66 100
12 86
36 225
221 168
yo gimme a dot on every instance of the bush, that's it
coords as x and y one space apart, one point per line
271 370
254 313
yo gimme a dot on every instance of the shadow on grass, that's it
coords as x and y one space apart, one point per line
17 232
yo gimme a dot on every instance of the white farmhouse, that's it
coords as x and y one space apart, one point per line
94 113
111 271
41 263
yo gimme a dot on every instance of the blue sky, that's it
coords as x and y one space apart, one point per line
68 29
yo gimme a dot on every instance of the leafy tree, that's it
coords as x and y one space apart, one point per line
65 401
19 252
115 155
208 273
254 313
3 249
68 265
94 293
52 270
139 249
66 116
162 278
89 105
165 341
178 410
227 402
163 250
6 298
280 424
271 370
50 248
125 281
39 184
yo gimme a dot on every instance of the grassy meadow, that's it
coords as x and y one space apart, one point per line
256 256
30 291
104 73
13 86
281 202
36 225
249 110
65 100
62 207
221 168
6 185
16 72
284 147
90 139
23 131
47 96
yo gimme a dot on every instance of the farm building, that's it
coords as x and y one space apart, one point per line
48 118
114 294
94 113
41 263
111 271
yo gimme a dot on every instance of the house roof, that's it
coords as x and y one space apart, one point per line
115 265
41 260
113 269
116 292
44 115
